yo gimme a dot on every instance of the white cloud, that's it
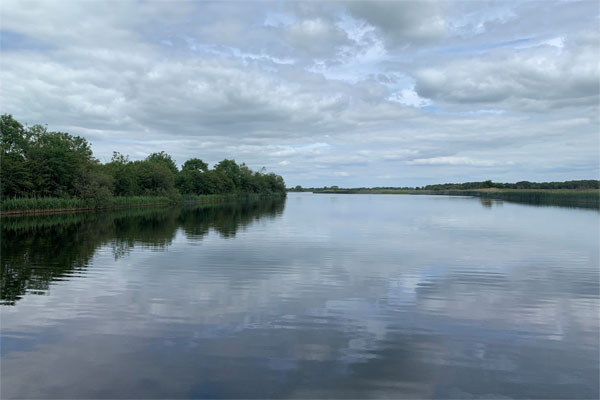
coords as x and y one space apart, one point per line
410 98
556 42
313 148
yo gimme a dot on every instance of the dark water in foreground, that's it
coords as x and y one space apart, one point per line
322 296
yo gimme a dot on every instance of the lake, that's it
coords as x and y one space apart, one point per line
317 296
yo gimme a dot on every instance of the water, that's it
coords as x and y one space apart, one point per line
323 296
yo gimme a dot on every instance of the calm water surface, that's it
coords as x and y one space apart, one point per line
321 296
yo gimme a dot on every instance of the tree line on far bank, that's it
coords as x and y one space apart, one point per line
586 184
580 185
39 163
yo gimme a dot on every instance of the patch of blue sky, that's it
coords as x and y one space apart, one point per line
432 108
15 41
233 52
482 48
435 109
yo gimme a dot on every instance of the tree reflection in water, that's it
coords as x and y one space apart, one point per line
41 249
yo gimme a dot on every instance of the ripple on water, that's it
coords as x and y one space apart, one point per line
325 296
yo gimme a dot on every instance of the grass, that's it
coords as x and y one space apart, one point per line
210 198
562 197
59 203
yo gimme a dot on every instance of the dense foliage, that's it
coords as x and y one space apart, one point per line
588 184
37 163
580 185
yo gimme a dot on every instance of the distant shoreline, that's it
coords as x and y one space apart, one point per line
584 198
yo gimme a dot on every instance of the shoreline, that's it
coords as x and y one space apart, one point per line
587 198
200 199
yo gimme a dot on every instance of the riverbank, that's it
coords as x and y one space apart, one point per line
55 205
587 198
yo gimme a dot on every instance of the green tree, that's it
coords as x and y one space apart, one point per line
154 178
195 164
57 158
15 173
14 138
274 183
248 182
123 175
165 159
220 182
35 162
486 184
192 178
94 184
231 170
15 176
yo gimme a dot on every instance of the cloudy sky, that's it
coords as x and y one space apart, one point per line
343 93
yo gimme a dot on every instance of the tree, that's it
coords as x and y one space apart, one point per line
220 182
153 178
56 158
274 183
92 183
248 182
123 175
165 159
192 179
231 170
486 184
14 138
194 164
15 174
35 162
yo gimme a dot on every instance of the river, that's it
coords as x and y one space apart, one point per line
316 296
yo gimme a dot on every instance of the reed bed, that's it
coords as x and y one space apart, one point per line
586 198
33 205
29 204
560 197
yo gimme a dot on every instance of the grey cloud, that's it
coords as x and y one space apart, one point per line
504 93
539 77
403 23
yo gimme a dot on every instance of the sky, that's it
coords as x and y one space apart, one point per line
349 93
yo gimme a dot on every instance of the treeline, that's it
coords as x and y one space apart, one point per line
574 185
38 163
522 185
